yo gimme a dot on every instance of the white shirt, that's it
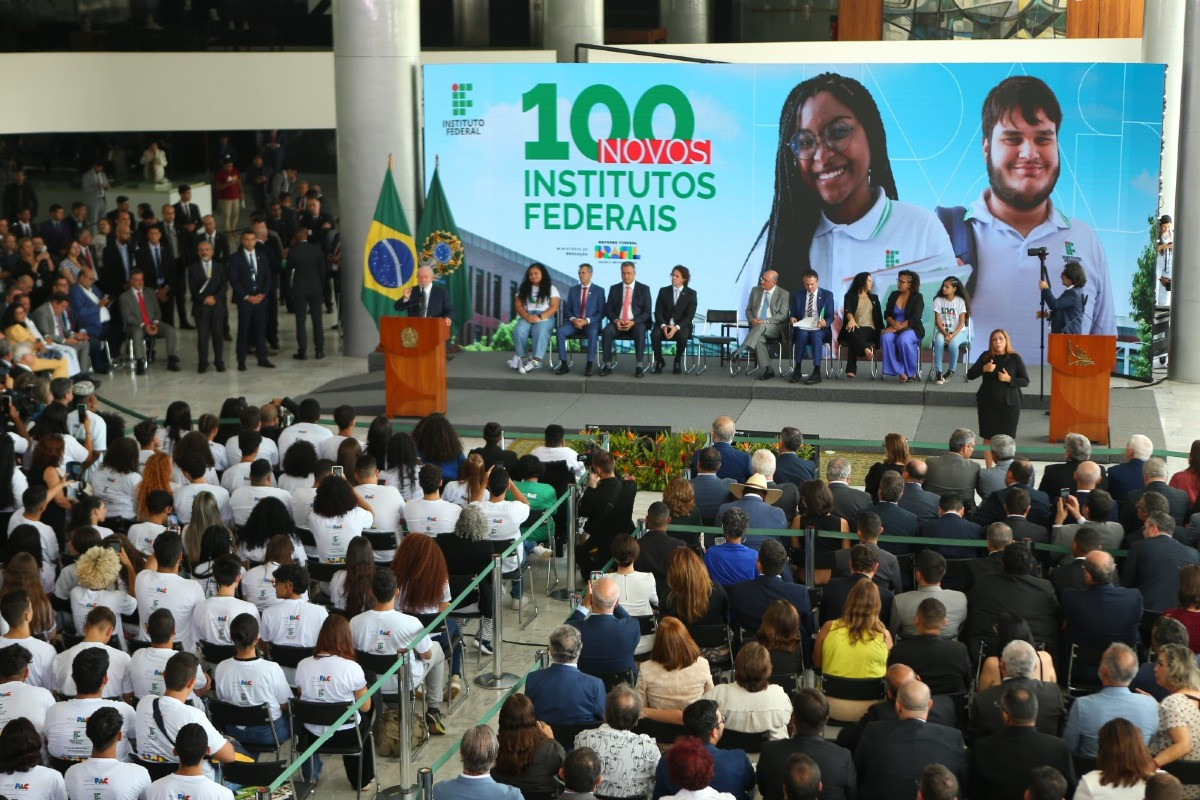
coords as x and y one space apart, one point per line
83 600
185 496
212 618
179 479
504 520
333 534
329 679
295 623
385 633
142 534
19 699
188 787
47 534
67 580
328 447
147 668
41 668
387 505
548 454
116 489
120 680
409 489
257 554
291 483
302 503
308 431
220 456
19 484
1007 276
267 450
157 590
949 311
99 430
39 783
249 682
66 727
244 499
154 744
107 779
537 305
431 517
144 456
238 475
258 586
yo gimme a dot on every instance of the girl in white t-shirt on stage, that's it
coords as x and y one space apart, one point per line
536 304
950 310
21 770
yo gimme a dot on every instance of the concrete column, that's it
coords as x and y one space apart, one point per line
568 22
376 49
1185 281
686 21
1162 43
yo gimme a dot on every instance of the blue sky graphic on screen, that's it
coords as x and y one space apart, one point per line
666 164
391 263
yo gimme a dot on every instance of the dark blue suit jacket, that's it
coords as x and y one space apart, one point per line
1066 310
749 600
1125 477
896 522
595 304
732 774
799 299
952 526
791 468
640 306
992 509
439 303
239 274
833 599
1099 615
85 315
608 640
1152 567
563 695
711 493
734 463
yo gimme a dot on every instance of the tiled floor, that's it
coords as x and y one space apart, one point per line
150 394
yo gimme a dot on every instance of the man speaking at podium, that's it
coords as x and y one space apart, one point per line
427 300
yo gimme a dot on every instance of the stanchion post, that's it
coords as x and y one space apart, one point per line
810 551
425 783
407 788
572 498
498 679
543 659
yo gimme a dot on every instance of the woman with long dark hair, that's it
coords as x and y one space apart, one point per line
230 419
862 322
536 304
299 464
378 436
403 464
46 469
951 308
258 584
210 426
692 595
529 757
205 514
1123 764
901 339
269 518
471 487
895 456
89 510
116 480
338 515
424 580
12 480
347 458
350 588
21 763
176 422
216 542
26 570
438 443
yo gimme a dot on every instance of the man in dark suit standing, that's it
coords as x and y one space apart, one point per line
307 264
561 694
915 500
810 315
189 222
656 546
1102 612
56 231
749 600
428 299
207 232
583 310
896 521
118 262
892 754
1020 474
157 262
1154 476
789 466
250 280
1152 566
810 712
1002 763
673 312
207 281
848 502
628 313
1127 476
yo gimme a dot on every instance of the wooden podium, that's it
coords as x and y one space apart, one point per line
1079 385
414 365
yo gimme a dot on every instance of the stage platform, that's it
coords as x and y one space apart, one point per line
481 387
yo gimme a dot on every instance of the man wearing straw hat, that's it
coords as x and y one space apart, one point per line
756 499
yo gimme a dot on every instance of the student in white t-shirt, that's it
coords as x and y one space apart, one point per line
950 324
22 776
269 518
17 611
430 514
161 586
338 515
299 464
258 584
245 498
504 521
403 464
555 450
184 497
160 719
79 542
251 418
343 417
97 571
65 721
248 680
383 630
34 502
331 675
386 502
98 629
106 775
190 782
355 578
251 445
160 506
302 499
209 425
117 478
293 621
149 664
305 429
145 433
19 697
214 615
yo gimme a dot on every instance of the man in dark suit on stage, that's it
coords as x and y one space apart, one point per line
428 299
1020 474
157 262
307 264
1152 566
735 463
749 600
915 500
207 281
1014 591
1002 762
810 712
673 312
561 694
189 222
891 754
250 280
583 310
1154 475
628 312
810 315
656 546
789 466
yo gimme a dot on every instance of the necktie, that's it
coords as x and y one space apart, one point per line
58 325
583 302
766 304
157 261
66 324
424 308
253 270
142 306
125 258
87 256
812 305
676 301
625 315
207 271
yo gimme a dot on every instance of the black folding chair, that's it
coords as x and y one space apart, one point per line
524 572
350 742
216 653
225 715
852 689
741 740
565 734
157 769
382 542
286 655
713 638
262 773
722 343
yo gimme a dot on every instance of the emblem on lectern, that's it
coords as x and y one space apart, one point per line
409 337
1077 356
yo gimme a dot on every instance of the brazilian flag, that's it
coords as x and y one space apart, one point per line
390 255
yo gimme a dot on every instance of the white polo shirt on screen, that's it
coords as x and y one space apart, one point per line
1006 293
120 679
245 498
213 616
18 699
107 779
183 498
147 668
431 517
66 727
154 743
307 431
248 682
157 590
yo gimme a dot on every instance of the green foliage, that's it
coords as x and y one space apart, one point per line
502 341
1141 301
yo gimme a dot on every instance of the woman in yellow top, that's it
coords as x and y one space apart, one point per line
13 323
855 645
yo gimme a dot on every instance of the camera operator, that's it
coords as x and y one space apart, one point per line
607 504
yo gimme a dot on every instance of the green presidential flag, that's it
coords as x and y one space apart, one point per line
390 256
441 248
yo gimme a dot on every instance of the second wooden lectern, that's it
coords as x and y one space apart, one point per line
414 365
1079 385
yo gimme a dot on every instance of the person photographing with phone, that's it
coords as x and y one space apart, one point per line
998 401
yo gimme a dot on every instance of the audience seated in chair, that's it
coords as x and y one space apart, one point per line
931 568
561 693
1090 713
943 664
732 771
810 712
628 760
609 634
1002 763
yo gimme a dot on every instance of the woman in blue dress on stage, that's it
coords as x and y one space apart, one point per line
901 339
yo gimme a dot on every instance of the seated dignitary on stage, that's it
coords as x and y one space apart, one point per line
954 471
811 315
1002 763
810 712
608 633
1088 714
628 312
1018 667
862 321
942 663
673 312
140 314
561 693
732 771
931 568
750 599
583 311
1014 590
536 304
767 314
